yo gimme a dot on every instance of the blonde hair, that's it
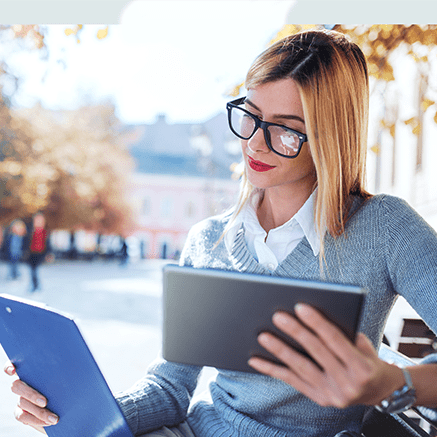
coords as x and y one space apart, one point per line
331 75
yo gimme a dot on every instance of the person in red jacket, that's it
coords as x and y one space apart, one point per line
38 247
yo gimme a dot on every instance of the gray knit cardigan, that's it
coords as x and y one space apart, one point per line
387 248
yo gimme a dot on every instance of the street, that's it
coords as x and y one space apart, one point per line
118 309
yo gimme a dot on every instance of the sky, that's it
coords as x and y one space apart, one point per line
174 57
178 58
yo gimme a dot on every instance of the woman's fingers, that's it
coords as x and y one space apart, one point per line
295 361
280 372
27 419
20 388
331 336
31 405
346 373
310 340
30 408
30 414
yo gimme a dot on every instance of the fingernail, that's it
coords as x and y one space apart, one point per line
260 365
301 309
280 318
41 402
10 370
53 420
263 338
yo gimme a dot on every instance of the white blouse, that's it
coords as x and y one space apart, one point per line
270 249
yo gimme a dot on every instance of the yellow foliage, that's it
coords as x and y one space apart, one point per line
426 103
378 42
390 126
415 125
102 33
412 121
376 149
234 92
387 73
417 129
74 31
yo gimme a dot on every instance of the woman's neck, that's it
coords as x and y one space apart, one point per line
276 207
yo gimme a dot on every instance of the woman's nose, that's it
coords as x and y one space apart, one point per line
258 142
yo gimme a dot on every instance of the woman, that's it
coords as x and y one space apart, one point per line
303 212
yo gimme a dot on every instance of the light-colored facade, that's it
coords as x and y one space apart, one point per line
169 205
183 176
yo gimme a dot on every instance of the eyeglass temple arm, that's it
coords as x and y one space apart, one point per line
238 101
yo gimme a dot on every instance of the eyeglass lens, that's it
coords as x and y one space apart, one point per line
282 140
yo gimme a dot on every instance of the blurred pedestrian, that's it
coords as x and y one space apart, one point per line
14 246
38 248
124 254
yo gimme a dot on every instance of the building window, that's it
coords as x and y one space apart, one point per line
146 207
166 207
190 209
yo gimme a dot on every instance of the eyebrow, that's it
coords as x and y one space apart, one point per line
283 116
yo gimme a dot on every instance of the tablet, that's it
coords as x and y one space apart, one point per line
213 317
51 355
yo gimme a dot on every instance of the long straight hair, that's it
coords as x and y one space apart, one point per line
331 75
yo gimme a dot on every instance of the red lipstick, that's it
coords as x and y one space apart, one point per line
258 165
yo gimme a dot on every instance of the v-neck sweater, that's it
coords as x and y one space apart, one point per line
387 248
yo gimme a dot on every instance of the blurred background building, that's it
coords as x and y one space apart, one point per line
184 173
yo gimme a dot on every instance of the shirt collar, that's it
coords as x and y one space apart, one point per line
304 217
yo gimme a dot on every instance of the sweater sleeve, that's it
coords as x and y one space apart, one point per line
411 254
411 257
161 398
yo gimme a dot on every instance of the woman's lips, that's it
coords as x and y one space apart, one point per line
258 165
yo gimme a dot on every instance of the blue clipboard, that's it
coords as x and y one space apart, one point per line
51 355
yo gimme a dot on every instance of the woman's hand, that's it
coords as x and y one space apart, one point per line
349 374
30 408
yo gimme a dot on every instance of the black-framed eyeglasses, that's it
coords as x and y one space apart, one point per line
280 139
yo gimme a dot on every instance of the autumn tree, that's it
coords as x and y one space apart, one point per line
75 169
